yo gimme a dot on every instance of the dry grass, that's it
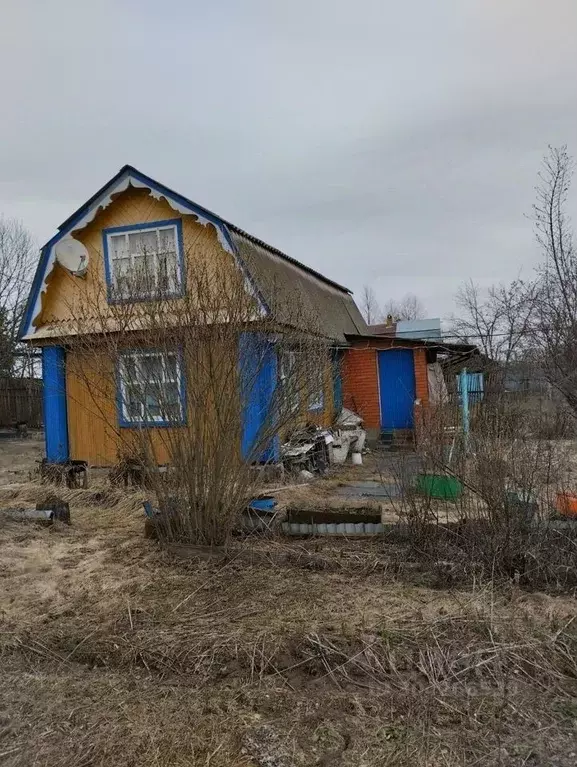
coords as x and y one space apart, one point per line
114 653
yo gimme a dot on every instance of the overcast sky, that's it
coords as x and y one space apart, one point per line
394 143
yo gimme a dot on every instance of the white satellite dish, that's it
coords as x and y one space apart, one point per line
72 255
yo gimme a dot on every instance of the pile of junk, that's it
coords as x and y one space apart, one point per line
312 448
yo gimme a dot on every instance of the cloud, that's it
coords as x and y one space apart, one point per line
384 142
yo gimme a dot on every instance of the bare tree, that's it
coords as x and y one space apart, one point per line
410 307
17 258
370 306
555 328
498 320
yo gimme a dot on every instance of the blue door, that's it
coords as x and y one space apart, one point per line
258 379
397 388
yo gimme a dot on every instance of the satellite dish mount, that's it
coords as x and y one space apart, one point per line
72 255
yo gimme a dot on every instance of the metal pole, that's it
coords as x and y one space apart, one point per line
465 405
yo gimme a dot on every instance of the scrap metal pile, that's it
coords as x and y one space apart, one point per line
313 448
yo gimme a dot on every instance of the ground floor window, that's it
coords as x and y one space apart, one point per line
150 388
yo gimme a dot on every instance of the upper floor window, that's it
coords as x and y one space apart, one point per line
145 260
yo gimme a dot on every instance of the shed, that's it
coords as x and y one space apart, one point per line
385 381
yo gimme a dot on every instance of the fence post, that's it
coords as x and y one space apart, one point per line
465 406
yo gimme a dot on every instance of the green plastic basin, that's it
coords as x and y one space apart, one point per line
439 486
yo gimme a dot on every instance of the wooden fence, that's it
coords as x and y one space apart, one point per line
21 402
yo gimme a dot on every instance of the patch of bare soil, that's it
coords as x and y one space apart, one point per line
112 652
19 458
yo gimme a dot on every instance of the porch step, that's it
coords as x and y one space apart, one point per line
398 439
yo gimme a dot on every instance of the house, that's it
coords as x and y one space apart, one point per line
90 272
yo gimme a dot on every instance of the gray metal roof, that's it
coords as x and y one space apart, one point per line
296 295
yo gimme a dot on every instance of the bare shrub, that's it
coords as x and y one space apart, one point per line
187 368
503 521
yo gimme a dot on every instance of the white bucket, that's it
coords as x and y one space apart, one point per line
356 459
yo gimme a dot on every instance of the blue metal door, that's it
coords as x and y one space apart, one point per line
397 388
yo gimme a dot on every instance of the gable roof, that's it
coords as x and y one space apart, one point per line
336 303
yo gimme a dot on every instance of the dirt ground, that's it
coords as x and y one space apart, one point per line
113 652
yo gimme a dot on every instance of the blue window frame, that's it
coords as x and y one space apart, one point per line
144 261
317 393
150 388
287 379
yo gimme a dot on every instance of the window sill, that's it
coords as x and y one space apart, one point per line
152 424
149 297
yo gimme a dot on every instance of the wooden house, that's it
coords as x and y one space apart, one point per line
110 229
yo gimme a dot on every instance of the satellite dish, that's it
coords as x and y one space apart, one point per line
72 255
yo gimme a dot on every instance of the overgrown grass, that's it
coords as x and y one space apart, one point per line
114 653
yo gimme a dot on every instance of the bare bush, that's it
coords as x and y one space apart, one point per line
186 369
502 522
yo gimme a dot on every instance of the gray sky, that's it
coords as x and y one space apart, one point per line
393 143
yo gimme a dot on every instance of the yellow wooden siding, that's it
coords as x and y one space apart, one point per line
94 433
93 430
69 297
323 417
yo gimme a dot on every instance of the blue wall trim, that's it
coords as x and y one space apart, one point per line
55 414
71 222
177 222
258 381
